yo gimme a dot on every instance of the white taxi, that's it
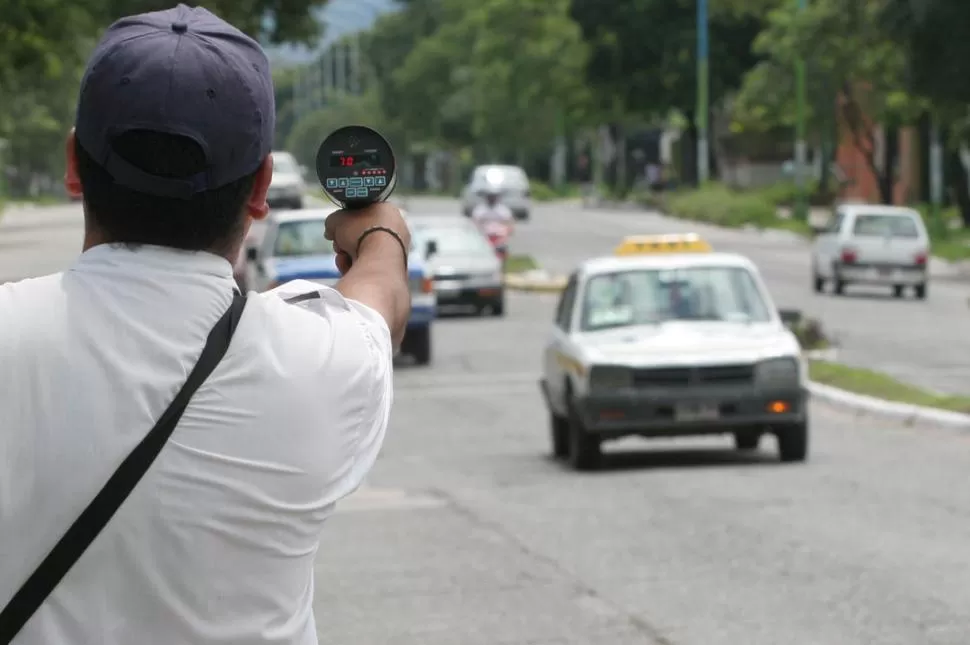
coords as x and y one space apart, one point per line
667 338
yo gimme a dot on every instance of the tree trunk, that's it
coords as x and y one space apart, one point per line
688 144
956 173
890 155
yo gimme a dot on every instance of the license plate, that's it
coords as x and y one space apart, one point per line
447 287
697 412
885 272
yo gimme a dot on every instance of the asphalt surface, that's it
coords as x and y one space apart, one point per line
468 533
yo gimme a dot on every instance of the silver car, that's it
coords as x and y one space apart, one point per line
466 271
288 187
510 180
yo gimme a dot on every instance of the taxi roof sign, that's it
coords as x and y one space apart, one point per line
651 244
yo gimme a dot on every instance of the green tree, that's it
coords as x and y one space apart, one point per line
933 36
644 58
852 62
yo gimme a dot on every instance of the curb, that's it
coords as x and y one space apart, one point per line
534 285
907 414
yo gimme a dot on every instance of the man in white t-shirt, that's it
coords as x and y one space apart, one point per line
492 216
216 544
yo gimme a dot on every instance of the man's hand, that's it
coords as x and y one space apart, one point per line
345 227
378 276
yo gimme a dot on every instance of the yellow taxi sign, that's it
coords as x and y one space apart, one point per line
650 244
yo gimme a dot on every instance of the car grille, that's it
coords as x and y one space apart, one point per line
453 277
696 376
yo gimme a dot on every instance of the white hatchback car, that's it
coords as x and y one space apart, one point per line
670 339
288 187
511 181
873 245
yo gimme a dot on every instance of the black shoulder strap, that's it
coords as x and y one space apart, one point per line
100 511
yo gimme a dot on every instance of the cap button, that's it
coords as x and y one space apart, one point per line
180 27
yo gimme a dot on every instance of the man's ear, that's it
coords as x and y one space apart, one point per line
256 207
72 181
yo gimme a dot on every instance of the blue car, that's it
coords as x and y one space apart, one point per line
293 247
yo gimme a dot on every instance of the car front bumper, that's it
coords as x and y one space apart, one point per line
665 413
468 294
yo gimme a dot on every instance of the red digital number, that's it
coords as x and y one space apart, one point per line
346 161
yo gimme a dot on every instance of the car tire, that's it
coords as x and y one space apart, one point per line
584 448
897 291
417 344
747 441
792 442
297 205
920 291
818 283
838 287
559 435
498 307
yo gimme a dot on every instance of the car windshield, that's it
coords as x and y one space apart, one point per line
304 237
885 225
498 175
455 240
284 165
642 297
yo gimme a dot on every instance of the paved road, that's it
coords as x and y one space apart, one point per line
470 534
920 342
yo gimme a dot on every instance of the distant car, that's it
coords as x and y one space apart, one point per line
511 180
668 339
288 186
465 268
293 247
872 245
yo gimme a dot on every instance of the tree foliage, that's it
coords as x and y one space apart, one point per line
44 45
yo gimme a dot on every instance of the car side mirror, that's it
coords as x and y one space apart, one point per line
252 254
431 248
790 317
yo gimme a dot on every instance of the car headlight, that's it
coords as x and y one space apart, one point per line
609 377
778 370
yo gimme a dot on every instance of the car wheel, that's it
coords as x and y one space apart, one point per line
747 441
792 441
559 433
584 448
498 307
839 287
417 344
297 205
897 291
818 283
920 291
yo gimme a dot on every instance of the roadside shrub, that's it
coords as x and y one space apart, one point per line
810 334
543 192
719 205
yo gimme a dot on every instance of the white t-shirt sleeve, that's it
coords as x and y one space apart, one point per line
356 379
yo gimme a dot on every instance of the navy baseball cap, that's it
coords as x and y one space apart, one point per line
182 71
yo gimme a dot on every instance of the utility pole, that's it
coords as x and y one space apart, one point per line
355 80
341 55
801 202
703 87
936 172
328 80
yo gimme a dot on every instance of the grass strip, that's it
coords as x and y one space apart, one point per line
882 386
520 264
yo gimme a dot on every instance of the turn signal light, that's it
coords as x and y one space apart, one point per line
849 256
427 285
779 407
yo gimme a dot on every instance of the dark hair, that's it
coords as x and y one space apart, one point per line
210 221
